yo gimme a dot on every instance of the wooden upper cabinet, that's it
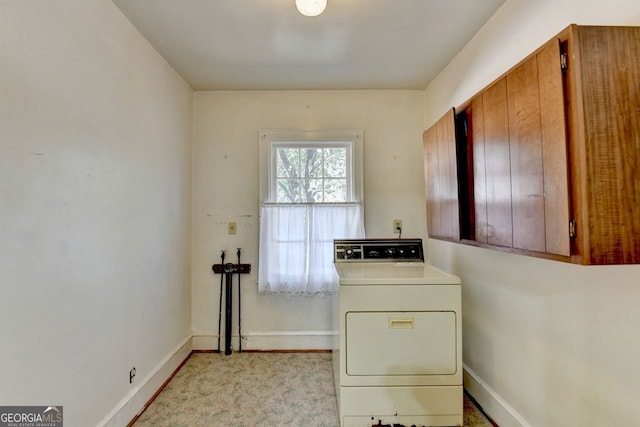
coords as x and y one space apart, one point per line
441 179
549 163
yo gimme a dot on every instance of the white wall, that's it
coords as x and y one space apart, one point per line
95 195
546 343
225 188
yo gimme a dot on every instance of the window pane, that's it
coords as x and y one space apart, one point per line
314 191
311 173
290 190
335 190
335 163
287 162
311 162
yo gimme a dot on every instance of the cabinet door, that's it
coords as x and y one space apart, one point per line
449 180
475 122
432 181
554 150
441 179
525 146
498 165
538 146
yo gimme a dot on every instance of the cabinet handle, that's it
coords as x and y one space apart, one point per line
572 229
401 323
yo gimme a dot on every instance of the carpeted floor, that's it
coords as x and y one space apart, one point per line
255 389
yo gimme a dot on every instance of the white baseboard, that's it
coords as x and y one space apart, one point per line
135 400
492 404
268 340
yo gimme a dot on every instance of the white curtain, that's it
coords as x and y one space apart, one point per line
296 246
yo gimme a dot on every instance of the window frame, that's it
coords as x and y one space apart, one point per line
270 139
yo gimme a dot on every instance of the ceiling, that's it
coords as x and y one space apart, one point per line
268 45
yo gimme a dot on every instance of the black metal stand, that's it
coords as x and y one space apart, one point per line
228 273
228 270
220 304
239 307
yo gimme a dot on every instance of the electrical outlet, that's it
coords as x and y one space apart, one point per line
232 228
397 225
132 374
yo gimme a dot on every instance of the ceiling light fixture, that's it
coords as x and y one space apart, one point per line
311 7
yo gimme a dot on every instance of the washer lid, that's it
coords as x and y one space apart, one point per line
388 273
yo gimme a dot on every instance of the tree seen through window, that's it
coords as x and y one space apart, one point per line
311 174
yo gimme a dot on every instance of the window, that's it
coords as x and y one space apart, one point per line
311 172
310 193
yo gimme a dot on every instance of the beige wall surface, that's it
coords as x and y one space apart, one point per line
546 343
109 221
95 201
226 187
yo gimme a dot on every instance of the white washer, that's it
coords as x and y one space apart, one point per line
397 356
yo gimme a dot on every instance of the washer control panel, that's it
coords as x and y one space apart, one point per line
378 250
